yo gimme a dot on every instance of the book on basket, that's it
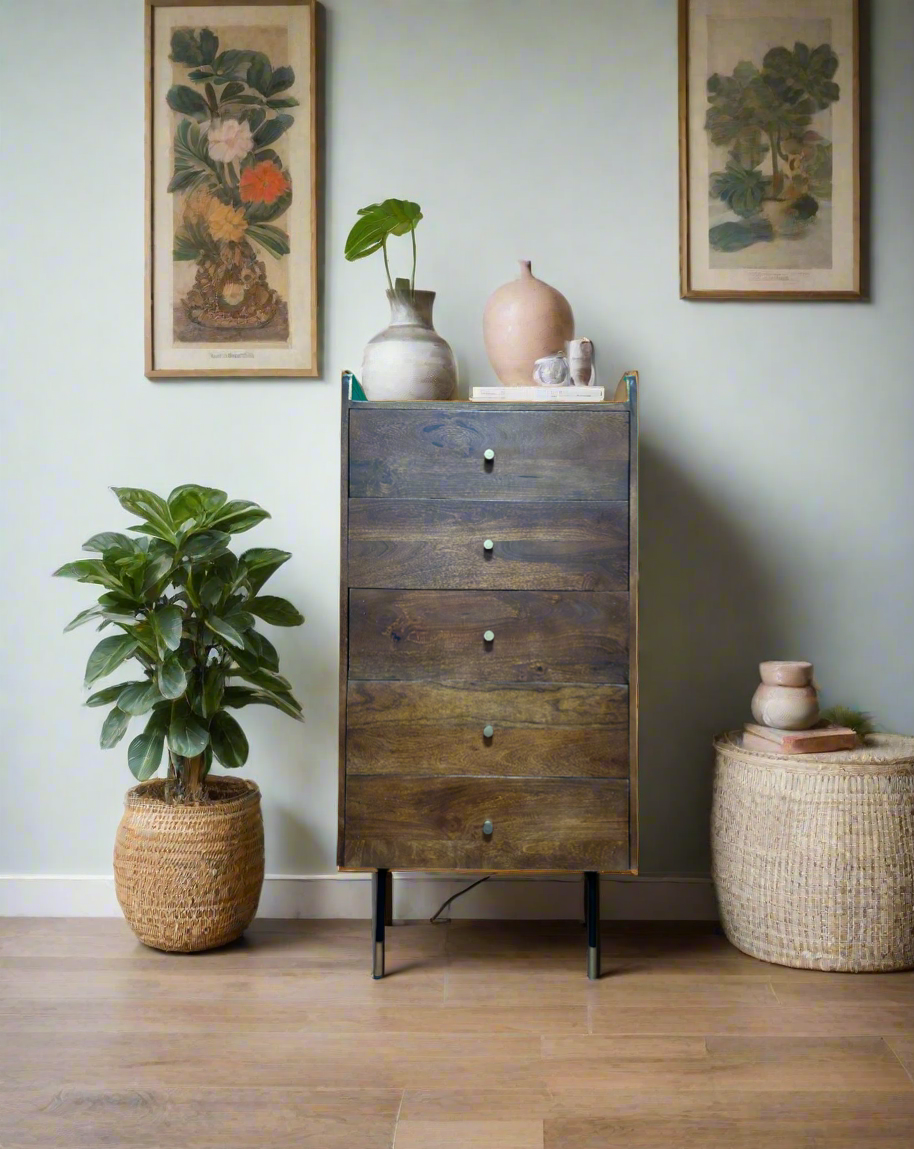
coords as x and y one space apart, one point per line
537 395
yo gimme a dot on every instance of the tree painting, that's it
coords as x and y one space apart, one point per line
231 184
778 170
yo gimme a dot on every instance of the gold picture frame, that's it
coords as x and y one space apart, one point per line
231 189
769 150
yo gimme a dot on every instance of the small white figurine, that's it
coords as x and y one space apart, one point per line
581 363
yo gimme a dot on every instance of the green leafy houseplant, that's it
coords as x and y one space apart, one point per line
185 608
374 227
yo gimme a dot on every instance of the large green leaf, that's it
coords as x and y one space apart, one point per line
109 541
273 239
262 649
224 630
193 166
229 743
139 697
186 735
741 189
167 623
89 570
213 686
84 616
113 728
206 544
239 696
378 221
185 47
156 568
110 693
108 655
265 679
277 611
171 677
209 45
149 506
282 102
145 752
193 501
803 72
238 515
261 563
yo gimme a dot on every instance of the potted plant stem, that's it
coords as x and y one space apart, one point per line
408 359
188 859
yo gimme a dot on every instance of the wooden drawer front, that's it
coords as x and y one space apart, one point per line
538 731
438 543
539 636
567 454
436 823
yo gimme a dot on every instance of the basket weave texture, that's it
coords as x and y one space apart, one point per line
813 857
188 878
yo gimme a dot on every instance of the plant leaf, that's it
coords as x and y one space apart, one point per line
264 650
186 736
149 506
274 239
228 741
209 45
213 685
89 570
108 655
138 697
224 630
145 752
283 102
167 623
157 567
206 544
113 728
260 73
171 677
83 616
277 611
261 563
109 541
185 48
191 500
240 514
270 130
110 693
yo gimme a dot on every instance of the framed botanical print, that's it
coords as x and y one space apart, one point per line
769 140
231 189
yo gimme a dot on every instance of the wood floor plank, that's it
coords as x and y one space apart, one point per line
282 1059
724 1062
523 1134
726 1120
206 1117
903 1048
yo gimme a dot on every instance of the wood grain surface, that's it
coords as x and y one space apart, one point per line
484 1034
540 636
415 823
539 730
438 543
554 455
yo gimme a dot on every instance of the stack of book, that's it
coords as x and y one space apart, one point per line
537 395
820 739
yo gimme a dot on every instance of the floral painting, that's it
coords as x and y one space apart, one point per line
773 139
229 102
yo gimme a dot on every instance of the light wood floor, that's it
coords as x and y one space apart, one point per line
485 1036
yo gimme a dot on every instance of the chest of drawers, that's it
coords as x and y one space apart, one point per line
488 641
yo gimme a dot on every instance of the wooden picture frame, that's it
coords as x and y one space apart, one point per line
231 189
769 150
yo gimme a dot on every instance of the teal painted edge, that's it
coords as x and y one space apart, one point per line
356 392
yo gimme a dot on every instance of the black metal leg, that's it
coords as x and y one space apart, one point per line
379 913
592 914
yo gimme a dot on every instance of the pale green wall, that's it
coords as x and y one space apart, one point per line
778 473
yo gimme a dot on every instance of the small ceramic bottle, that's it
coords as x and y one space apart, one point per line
786 699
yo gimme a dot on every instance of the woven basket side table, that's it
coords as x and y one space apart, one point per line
813 855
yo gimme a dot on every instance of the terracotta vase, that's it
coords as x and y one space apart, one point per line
409 359
525 320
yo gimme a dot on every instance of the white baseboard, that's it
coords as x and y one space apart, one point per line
648 898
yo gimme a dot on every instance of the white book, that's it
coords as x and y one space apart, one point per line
537 395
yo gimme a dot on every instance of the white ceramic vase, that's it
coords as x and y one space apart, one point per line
409 359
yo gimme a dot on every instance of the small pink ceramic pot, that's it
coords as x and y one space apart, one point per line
786 707
780 673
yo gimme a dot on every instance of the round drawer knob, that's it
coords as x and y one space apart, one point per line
488 731
489 636
487 827
488 545
488 455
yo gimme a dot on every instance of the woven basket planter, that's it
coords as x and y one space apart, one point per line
813 855
188 878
